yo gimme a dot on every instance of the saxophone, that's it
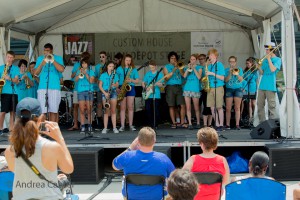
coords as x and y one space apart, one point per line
107 104
2 80
125 87
205 79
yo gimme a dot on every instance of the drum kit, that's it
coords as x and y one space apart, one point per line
64 112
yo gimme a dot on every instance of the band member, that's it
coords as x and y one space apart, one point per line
85 78
35 80
75 93
174 96
118 59
9 99
215 96
206 113
131 79
108 83
191 89
99 68
150 83
251 80
24 81
48 67
267 87
234 91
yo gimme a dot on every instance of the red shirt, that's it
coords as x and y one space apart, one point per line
215 164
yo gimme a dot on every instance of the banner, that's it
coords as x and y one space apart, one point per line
201 42
75 44
143 46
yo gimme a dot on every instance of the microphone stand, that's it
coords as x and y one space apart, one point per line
215 111
46 94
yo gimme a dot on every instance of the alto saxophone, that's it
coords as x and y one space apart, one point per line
205 79
107 104
125 87
2 80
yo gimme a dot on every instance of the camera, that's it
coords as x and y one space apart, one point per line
43 127
63 183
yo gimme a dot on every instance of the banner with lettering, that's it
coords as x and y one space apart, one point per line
201 42
75 44
144 46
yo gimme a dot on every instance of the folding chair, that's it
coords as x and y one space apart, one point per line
255 188
144 180
209 178
6 185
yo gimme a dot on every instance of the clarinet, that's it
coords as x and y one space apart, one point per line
107 104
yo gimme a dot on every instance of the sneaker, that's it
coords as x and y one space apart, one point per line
198 126
104 131
1 132
227 127
132 128
190 127
121 129
237 128
219 129
82 129
115 130
90 129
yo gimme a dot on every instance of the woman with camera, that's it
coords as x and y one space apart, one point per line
27 148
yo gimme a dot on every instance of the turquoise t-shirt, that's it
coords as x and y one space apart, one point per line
220 71
268 80
21 87
192 83
54 75
176 79
148 78
251 80
122 73
106 80
233 82
33 89
98 68
83 84
75 69
12 71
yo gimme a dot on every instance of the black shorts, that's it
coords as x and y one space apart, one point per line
9 102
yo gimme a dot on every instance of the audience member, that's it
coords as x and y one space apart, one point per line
140 158
296 194
182 185
208 161
44 154
258 166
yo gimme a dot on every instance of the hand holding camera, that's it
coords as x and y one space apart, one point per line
52 130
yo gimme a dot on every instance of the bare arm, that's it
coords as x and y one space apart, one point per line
58 66
272 67
10 158
198 73
227 78
38 70
189 163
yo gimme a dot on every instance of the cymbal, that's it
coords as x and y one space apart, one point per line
64 88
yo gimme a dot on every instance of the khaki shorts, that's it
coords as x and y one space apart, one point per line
211 97
174 95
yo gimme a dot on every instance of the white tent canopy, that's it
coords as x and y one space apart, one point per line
42 19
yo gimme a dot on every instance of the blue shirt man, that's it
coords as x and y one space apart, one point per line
140 158
217 68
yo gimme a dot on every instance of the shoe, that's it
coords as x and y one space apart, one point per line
82 129
237 128
90 129
104 131
190 127
5 130
1 132
219 129
227 127
121 129
198 126
115 130
132 128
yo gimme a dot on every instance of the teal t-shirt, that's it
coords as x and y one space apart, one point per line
106 80
21 87
220 71
83 84
192 83
251 80
12 71
268 80
54 74
176 79
122 73
147 80
233 82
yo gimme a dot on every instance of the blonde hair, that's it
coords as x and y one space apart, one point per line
208 137
147 136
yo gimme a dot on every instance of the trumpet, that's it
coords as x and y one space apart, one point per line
235 71
81 75
49 58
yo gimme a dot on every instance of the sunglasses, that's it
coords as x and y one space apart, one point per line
102 56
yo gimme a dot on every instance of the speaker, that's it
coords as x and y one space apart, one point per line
284 161
88 164
267 130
